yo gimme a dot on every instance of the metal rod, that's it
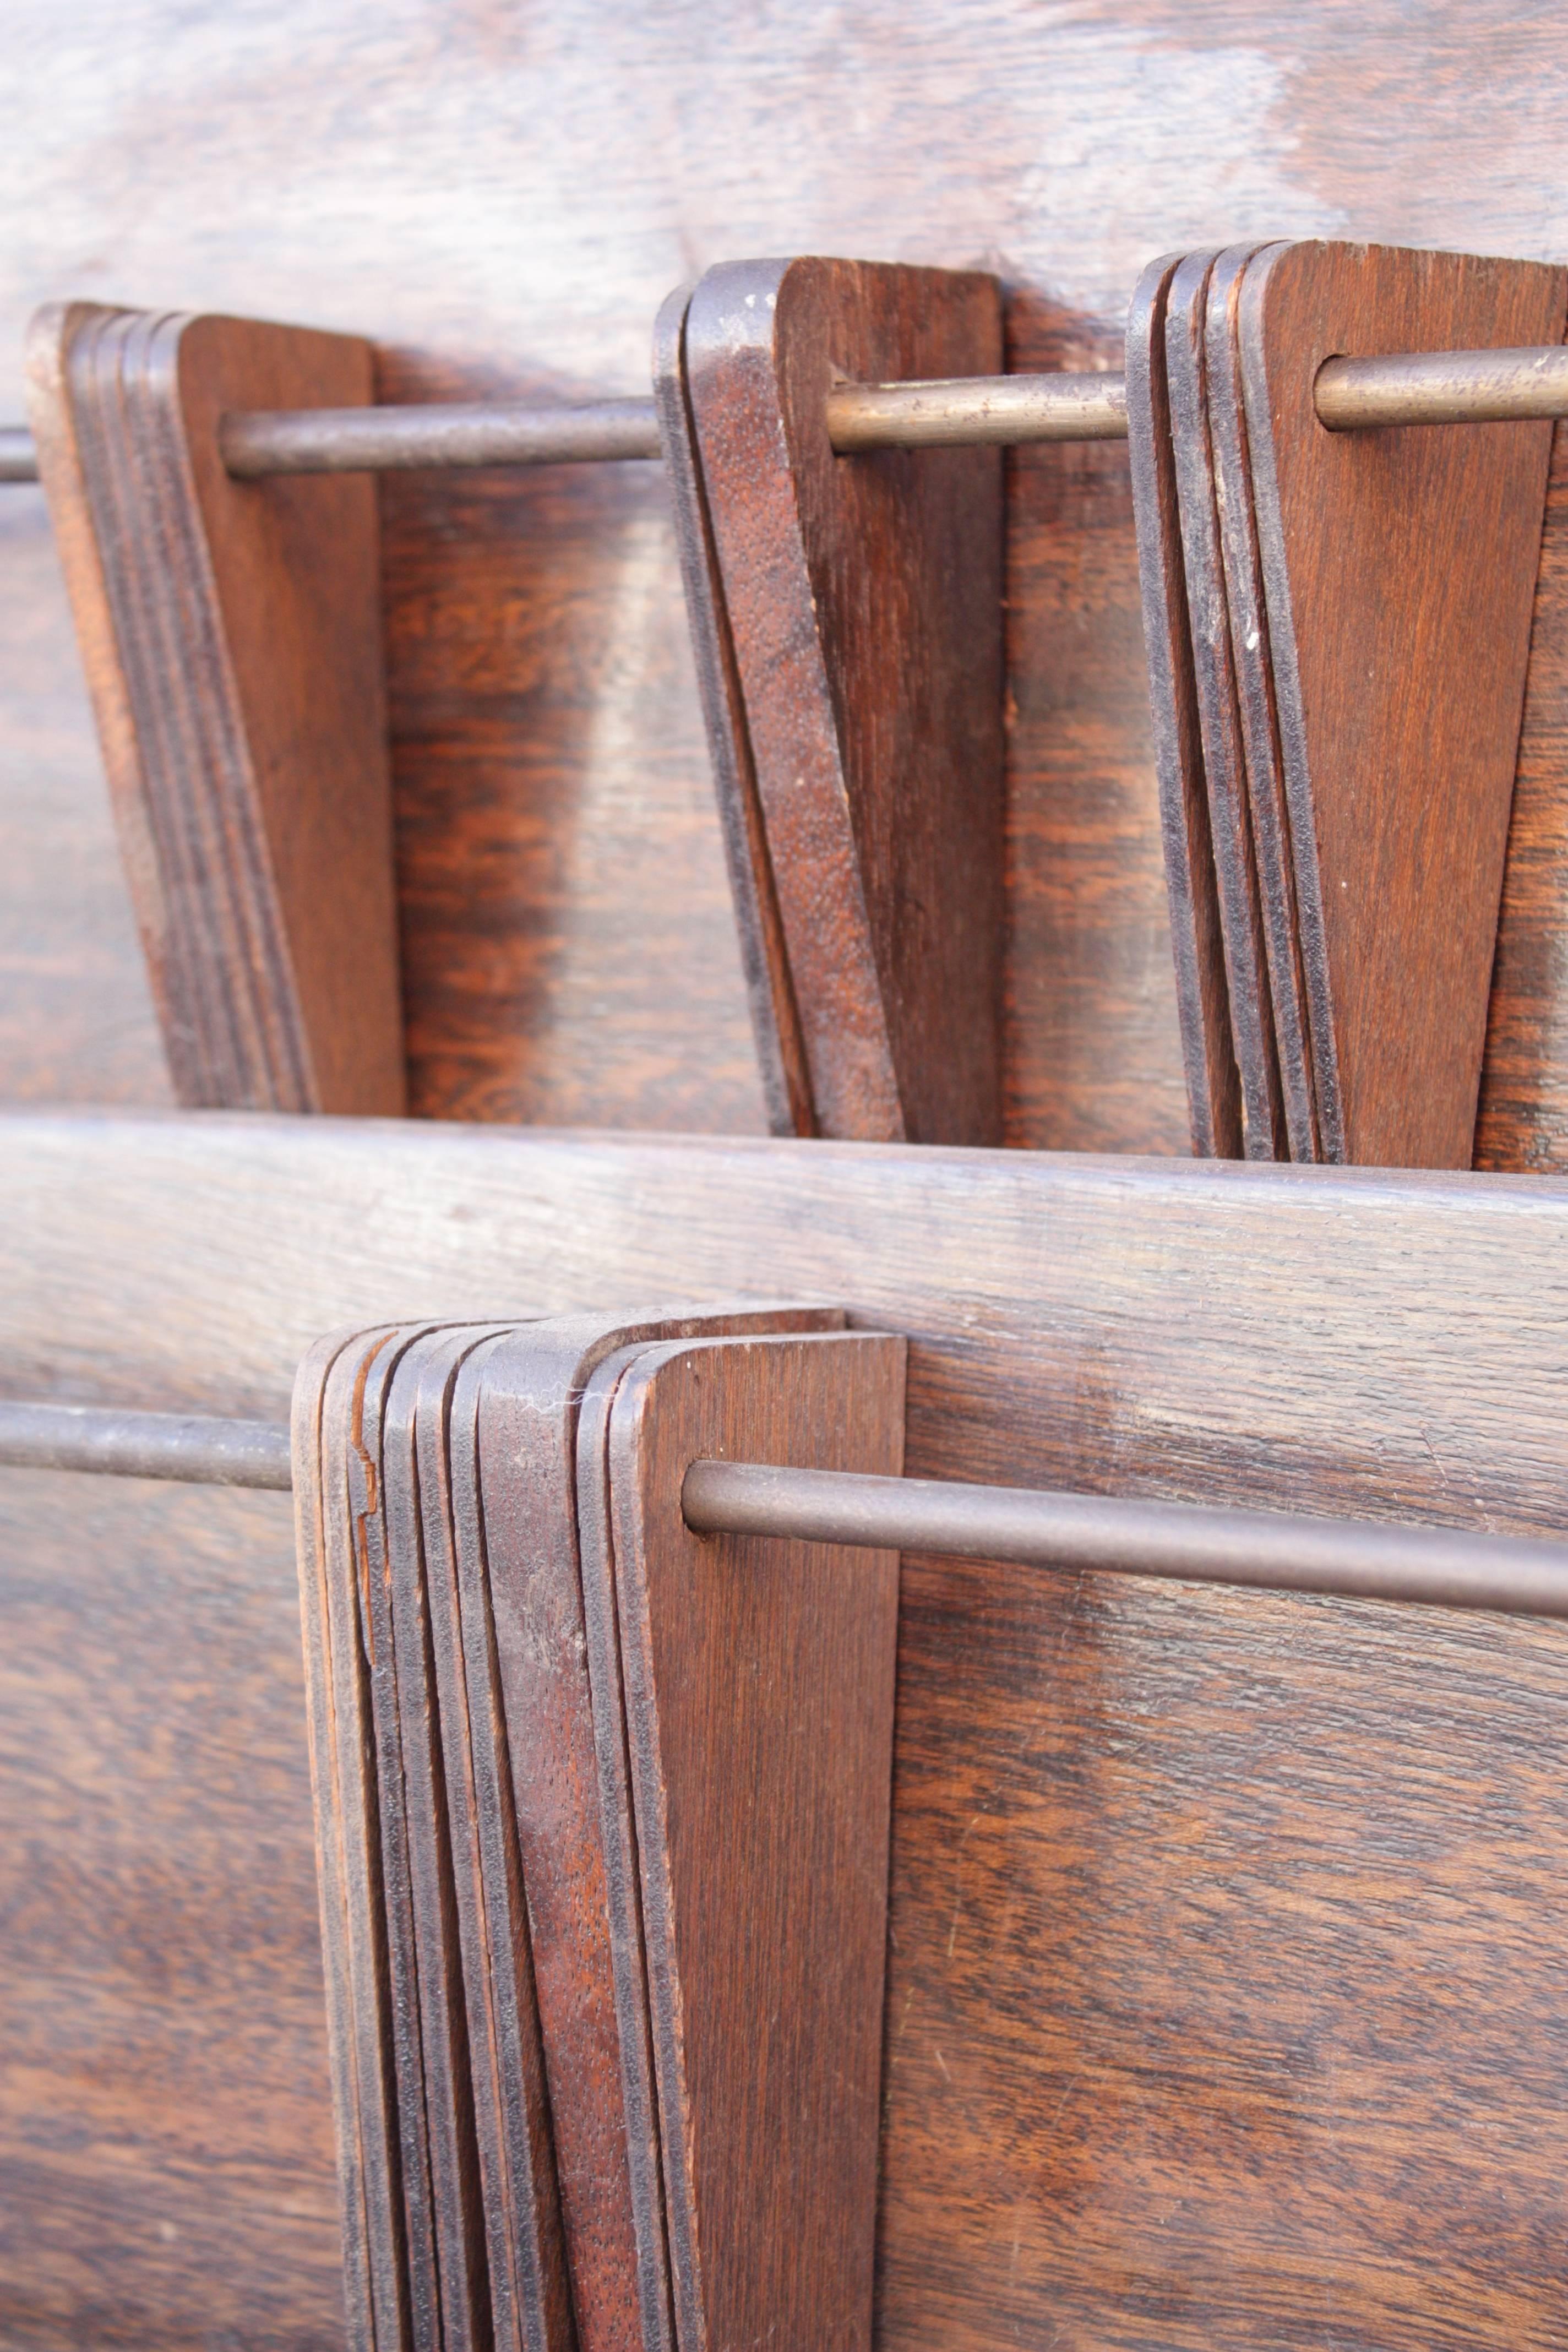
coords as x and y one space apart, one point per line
1013 410
378 440
1358 1559
195 1447
1271 1551
19 459
1002 410
1442 388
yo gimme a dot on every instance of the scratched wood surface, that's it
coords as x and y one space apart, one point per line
557 837
1225 1996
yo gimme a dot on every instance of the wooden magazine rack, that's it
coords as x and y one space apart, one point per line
883 1801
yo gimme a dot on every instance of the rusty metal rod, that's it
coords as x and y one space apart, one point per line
1360 1560
195 1447
1448 1567
1351 395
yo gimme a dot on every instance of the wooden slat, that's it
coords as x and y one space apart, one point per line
1083 2117
863 604
231 635
1213 1103
749 1729
1400 571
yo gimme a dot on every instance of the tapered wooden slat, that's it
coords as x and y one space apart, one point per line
848 619
745 1727
231 636
1400 569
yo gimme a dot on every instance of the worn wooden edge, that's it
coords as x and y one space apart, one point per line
1286 663
51 337
730 368
530 2290
417 1559
1208 1055
1246 957
356 1942
330 1793
273 991
764 960
1252 672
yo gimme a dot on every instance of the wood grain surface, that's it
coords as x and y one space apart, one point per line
863 601
782 1063
556 833
1335 2133
1523 1117
1390 665
231 636
514 2185
388 2254
754 1715
514 1439
1341 1340
166 2165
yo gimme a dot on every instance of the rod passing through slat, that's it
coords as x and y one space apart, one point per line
1353 394
1274 1551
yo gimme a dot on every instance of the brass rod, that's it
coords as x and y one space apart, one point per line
1279 1552
1013 411
379 440
1442 388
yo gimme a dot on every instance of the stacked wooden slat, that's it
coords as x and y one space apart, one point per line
603 1814
846 619
1339 627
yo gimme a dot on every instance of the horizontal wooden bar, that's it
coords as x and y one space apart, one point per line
1351 1341
1011 412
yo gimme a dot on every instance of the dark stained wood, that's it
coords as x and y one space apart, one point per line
1252 668
756 1750
1219 714
513 1447
407 1957
231 637
528 2294
166 2166
764 955
557 830
1393 663
1523 1117
1093 1057
864 605
1198 945
1152 1762
411 1538
388 2287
